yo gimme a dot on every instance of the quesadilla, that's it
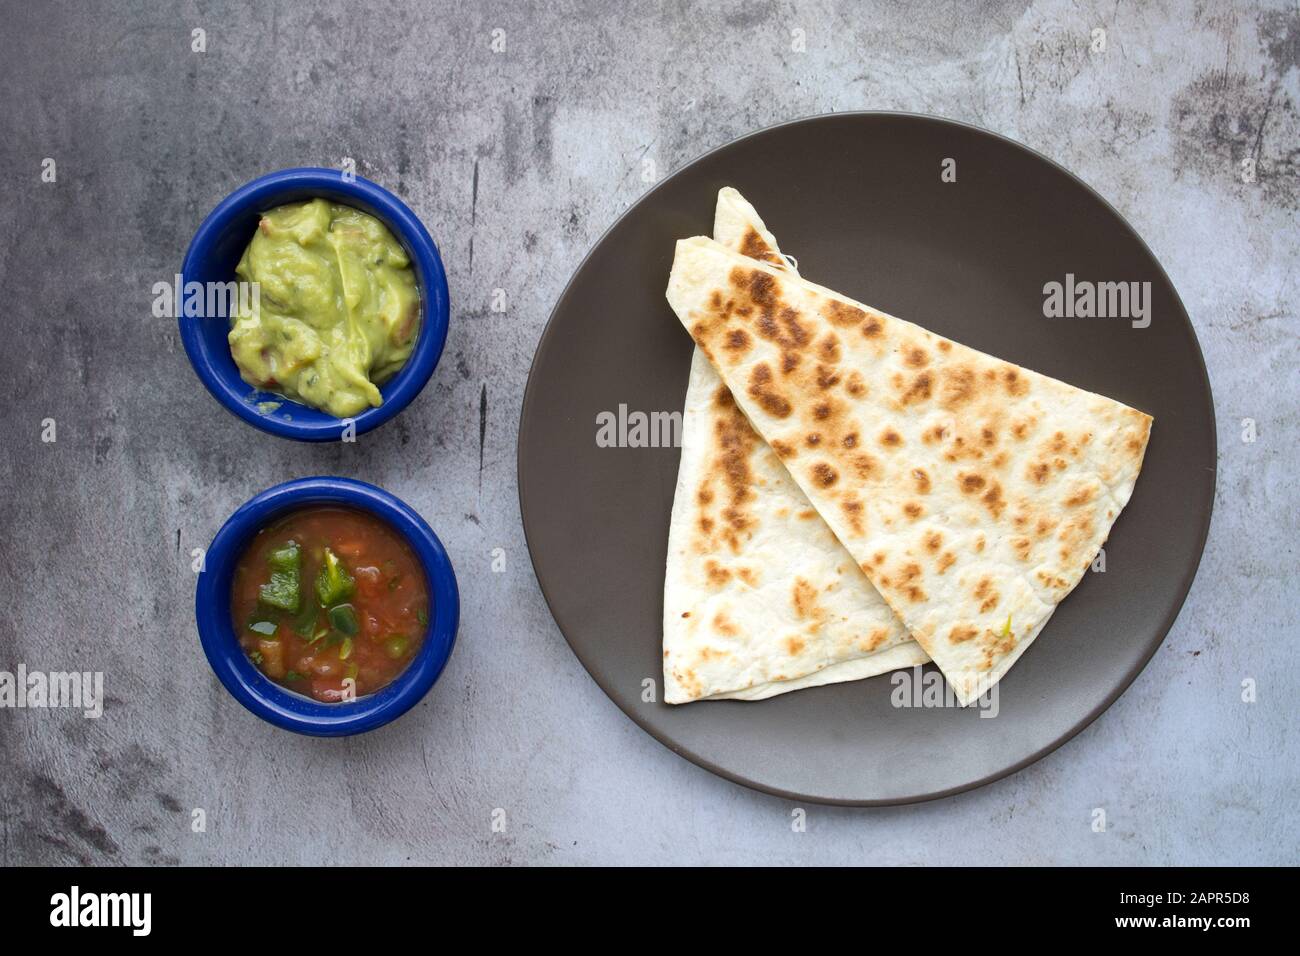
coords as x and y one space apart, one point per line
759 596
973 493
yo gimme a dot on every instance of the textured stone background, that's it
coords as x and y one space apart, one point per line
96 529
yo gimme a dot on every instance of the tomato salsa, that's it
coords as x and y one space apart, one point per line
330 602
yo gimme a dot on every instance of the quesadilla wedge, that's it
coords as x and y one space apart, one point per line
759 597
973 493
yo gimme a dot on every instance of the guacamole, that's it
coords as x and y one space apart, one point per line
337 310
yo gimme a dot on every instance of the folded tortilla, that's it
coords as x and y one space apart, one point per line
973 493
759 596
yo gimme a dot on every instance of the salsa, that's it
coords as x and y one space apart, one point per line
330 602
337 309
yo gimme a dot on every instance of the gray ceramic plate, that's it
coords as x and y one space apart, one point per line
858 199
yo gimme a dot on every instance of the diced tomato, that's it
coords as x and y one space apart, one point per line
369 582
349 549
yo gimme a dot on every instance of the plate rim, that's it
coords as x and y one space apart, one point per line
1185 586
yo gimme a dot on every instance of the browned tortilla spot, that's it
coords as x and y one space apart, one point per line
760 286
783 328
986 593
824 474
962 633
733 442
827 377
1022 427
844 315
920 389
993 500
716 573
863 465
803 598
753 246
829 349
1080 497
853 513
760 388
958 387
737 340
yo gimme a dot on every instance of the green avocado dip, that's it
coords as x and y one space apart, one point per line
337 309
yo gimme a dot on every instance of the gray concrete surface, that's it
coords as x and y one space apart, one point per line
96 528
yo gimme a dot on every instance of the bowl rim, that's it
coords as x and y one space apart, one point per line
282 707
435 302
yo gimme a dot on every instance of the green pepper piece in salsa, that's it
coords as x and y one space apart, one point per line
343 618
283 591
333 585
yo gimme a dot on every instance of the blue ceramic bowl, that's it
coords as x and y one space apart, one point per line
269 700
215 251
